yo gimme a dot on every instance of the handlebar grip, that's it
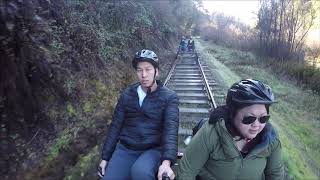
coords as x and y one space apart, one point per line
100 172
165 176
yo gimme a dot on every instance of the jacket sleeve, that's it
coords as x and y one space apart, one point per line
170 130
114 130
274 168
196 155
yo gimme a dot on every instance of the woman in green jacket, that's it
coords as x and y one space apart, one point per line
237 142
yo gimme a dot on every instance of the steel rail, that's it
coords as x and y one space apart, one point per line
207 87
212 102
172 69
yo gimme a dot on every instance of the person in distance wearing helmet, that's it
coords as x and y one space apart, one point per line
142 138
237 142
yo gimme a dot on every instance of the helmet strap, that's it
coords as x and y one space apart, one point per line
153 82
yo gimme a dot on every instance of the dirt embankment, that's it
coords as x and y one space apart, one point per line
63 65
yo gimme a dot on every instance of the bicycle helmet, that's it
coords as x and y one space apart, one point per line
145 56
248 92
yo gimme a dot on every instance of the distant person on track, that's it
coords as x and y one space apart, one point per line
142 139
237 142
190 45
183 45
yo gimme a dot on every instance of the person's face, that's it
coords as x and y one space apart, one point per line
145 72
250 131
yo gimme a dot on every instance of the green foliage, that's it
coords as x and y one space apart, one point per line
61 142
166 28
56 46
70 110
53 113
304 73
85 166
106 95
108 52
89 48
307 74
143 18
101 100
69 86
88 107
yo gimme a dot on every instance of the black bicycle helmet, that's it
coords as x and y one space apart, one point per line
145 56
248 92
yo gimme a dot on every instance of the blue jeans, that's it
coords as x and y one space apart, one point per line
129 164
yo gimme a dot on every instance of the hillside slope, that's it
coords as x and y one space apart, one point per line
63 65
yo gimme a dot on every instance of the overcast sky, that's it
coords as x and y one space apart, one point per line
245 10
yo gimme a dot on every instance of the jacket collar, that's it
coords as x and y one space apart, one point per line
133 87
267 135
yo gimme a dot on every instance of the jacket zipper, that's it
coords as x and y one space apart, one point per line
242 159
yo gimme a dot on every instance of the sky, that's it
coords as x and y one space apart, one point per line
245 10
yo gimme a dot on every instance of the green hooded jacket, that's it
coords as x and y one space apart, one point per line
212 154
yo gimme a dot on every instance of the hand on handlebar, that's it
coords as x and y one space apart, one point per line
165 171
165 176
102 167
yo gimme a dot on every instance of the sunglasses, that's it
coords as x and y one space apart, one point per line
250 119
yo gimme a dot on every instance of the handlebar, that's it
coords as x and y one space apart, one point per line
100 172
165 176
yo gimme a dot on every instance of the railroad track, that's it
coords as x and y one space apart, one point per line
196 88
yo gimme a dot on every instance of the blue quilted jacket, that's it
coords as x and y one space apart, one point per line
154 124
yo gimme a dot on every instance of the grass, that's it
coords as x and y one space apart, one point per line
62 141
85 167
296 115
294 162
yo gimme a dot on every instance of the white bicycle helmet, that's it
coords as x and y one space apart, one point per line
145 56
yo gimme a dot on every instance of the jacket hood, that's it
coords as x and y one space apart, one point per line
221 112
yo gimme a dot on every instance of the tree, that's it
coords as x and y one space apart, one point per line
283 26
